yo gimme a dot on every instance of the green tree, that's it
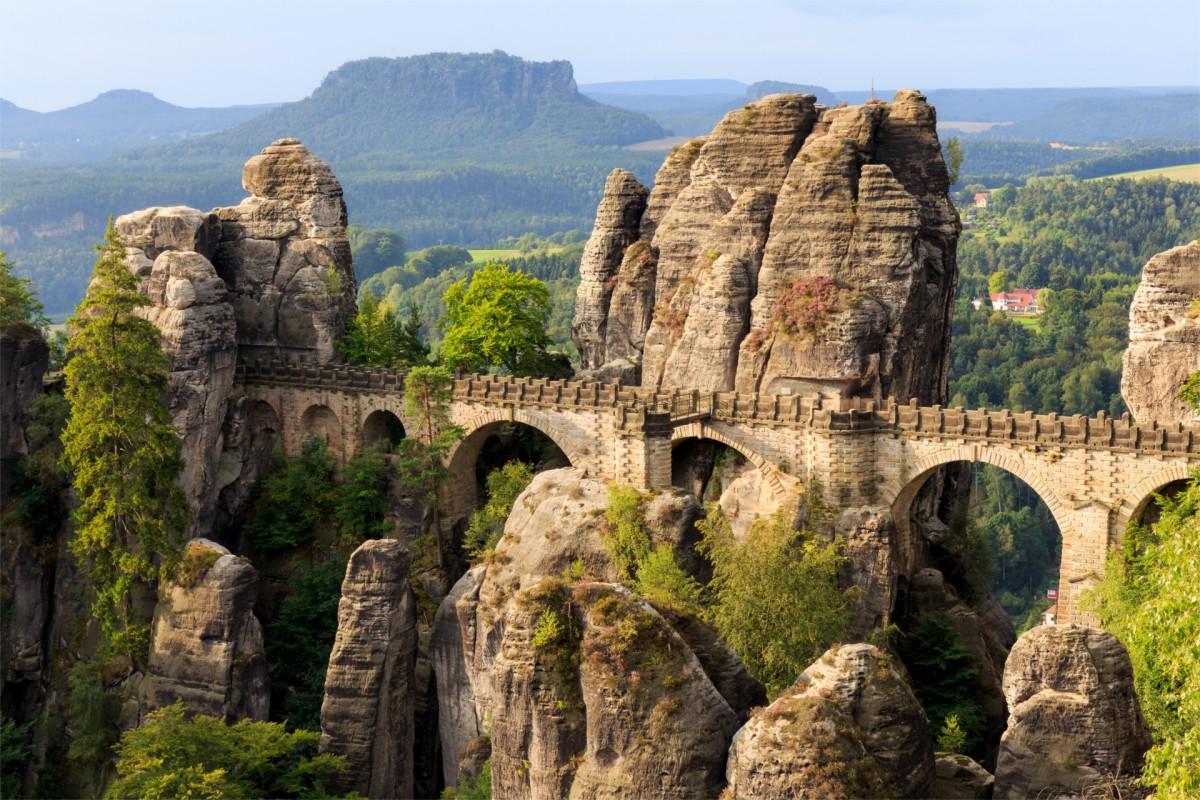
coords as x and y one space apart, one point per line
486 527
376 337
1190 392
172 755
374 250
954 157
421 459
18 301
121 448
14 749
91 717
296 497
496 319
774 595
1149 598
943 674
362 499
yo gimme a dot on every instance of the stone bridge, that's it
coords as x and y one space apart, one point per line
1095 474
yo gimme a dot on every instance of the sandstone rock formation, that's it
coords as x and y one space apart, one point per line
1074 717
565 721
206 647
285 256
1164 337
24 357
796 248
959 777
367 713
268 277
849 727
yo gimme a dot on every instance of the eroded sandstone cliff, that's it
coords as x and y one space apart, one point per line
1164 337
269 277
796 248
615 699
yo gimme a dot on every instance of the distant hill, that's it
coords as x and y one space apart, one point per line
445 148
687 87
1007 105
1085 120
116 120
692 108
435 106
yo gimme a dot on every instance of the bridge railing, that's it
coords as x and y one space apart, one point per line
809 411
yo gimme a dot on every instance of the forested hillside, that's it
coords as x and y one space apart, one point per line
444 148
1085 242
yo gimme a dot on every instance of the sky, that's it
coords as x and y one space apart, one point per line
226 52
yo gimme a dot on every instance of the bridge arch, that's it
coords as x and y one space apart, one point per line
900 494
381 427
1135 503
733 440
462 490
320 420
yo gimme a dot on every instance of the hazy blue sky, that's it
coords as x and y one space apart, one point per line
219 52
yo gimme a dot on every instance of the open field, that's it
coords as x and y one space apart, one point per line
1030 321
658 145
494 254
1184 172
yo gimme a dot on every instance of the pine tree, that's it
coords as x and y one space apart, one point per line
121 448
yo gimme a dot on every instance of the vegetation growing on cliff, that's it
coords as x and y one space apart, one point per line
173 755
18 300
774 595
122 449
943 677
378 337
487 524
1150 600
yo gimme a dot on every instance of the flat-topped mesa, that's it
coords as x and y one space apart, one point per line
1164 337
795 249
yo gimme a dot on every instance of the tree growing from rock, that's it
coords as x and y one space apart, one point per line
774 595
18 301
1150 599
496 320
175 755
121 448
421 461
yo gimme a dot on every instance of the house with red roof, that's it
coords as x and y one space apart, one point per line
1017 301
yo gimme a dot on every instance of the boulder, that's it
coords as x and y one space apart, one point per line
849 727
563 722
1074 719
794 249
206 646
367 713
959 777
153 231
1164 337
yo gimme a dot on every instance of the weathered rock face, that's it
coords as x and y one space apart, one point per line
1164 337
284 254
959 777
562 720
849 727
24 357
796 248
270 276
1074 719
929 593
206 647
367 713
617 221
